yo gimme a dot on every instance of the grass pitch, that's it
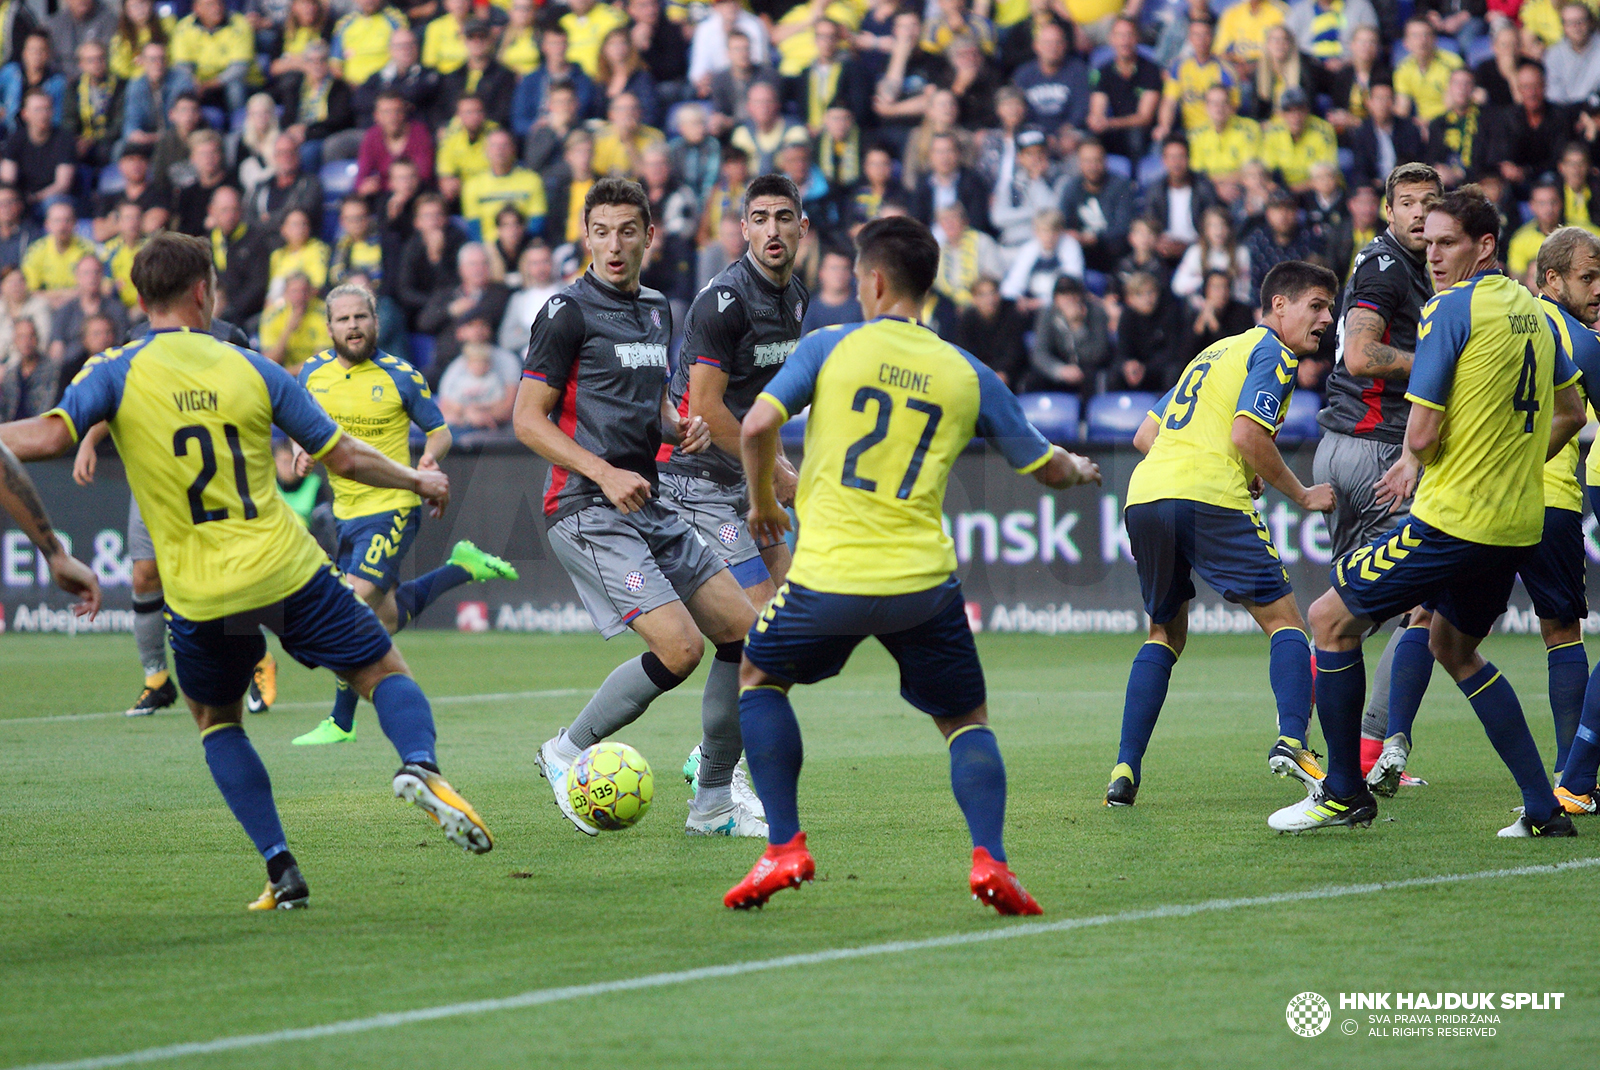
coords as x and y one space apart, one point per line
123 880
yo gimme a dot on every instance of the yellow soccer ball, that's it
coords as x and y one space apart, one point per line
610 786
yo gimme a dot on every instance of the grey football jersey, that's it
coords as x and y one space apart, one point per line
605 351
746 326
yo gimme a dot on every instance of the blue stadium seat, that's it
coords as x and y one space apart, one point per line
110 180
1119 165
422 350
215 118
1054 414
1100 57
1347 160
793 433
330 223
1300 422
338 179
1150 171
1449 44
85 229
1096 282
1482 51
1116 417
236 120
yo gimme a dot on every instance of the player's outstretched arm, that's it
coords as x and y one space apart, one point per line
83 465
1365 353
353 459
38 438
758 448
1567 420
1256 445
1065 469
1145 437
626 490
20 498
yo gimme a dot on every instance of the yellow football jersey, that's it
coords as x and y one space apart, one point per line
1187 82
1487 358
361 43
892 407
1561 489
483 195
1251 374
1216 153
192 418
376 401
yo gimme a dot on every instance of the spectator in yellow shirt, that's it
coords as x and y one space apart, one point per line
461 149
1422 79
1242 31
1523 249
503 184
1186 83
620 142
219 52
1220 148
587 24
300 254
1296 140
444 43
49 262
361 40
294 328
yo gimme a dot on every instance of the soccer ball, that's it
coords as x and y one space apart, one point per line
610 786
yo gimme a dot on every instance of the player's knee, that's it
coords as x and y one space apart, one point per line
751 676
681 653
1328 614
1560 633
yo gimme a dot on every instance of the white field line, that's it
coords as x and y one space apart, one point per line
568 692
542 996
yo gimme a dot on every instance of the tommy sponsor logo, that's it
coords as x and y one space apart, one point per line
724 299
729 534
771 353
634 582
642 355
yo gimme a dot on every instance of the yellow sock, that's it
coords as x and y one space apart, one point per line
156 680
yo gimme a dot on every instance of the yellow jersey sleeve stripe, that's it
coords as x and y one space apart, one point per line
1040 463
72 428
332 442
1575 377
775 403
1435 406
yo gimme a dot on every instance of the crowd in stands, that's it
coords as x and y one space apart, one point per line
1110 181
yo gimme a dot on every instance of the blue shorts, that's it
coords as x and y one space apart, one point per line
322 625
1467 583
1555 573
1230 548
805 636
372 547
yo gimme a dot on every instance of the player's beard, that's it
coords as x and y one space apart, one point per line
356 356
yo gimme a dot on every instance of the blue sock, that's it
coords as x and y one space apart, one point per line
978 778
1147 691
1341 693
773 749
344 704
1409 674
243 781
1497 707
1290 673
1569 676
1583 760
412 598
406 718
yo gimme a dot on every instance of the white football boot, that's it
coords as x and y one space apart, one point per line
733 818
743 791
553 767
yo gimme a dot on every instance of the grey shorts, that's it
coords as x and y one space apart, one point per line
1352 465
717 511
140 546
625 566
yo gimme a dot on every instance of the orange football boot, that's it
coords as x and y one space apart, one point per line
784 865
993 884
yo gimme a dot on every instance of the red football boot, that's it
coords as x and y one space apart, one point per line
995 885
784 865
